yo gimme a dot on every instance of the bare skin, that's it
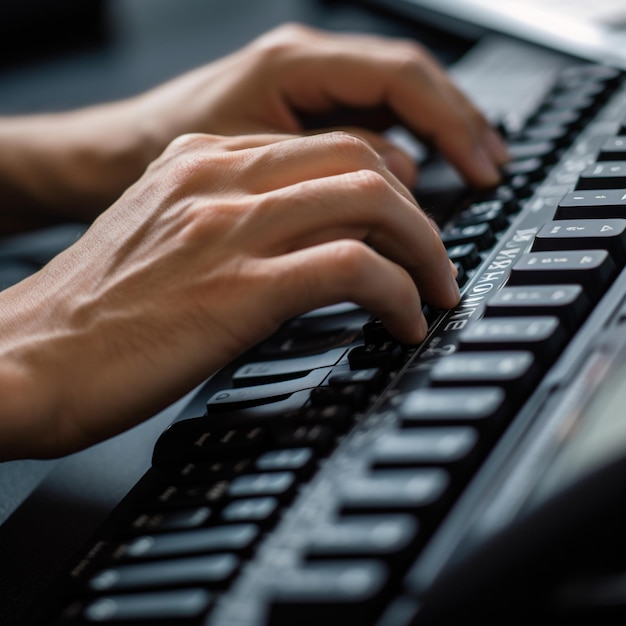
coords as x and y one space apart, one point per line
220 239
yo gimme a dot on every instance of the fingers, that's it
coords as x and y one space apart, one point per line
358 275
317 193
367 71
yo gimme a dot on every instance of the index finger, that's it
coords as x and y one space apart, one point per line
366 71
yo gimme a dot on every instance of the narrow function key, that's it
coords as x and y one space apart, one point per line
171 520
543 336
483 408
591 204
593 269
400 490
466 254
363 536
386 356
277 484
235 538
449 447
297 460
480 234
567 302
328 592
516 371
613 149
601 234
197 571
489 212
174 607
257 510
605 175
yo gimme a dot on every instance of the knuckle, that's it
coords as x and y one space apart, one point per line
280 41
353 148
351 258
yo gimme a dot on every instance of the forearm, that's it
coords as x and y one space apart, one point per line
70 165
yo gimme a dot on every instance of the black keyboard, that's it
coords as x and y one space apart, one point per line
334 476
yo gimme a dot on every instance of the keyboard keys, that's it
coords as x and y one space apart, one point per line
543 336
198 571
343 592
465 254
399 490
277 484
592 204
605 175
567 302
363 536
242 397
479 234
603 234
235 538
171 520
482 408
441 447
171 607
593 269
613 149
516 371
264 372
257 510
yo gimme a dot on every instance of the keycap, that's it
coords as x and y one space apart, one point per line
532 168
180 607
328 592
233 538
545 151
264 372
488 212
374 332
514 370
400 490
242 397
480 234
257 510
447 447
481 408
593 269
465 254
601 234
197 571
297 460
386 356
543 336
613 149
592 204
567 302
605 175
363 536
278 484
171 520
316 436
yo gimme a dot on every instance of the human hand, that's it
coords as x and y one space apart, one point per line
208 253
295 72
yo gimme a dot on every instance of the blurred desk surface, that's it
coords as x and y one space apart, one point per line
49 508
